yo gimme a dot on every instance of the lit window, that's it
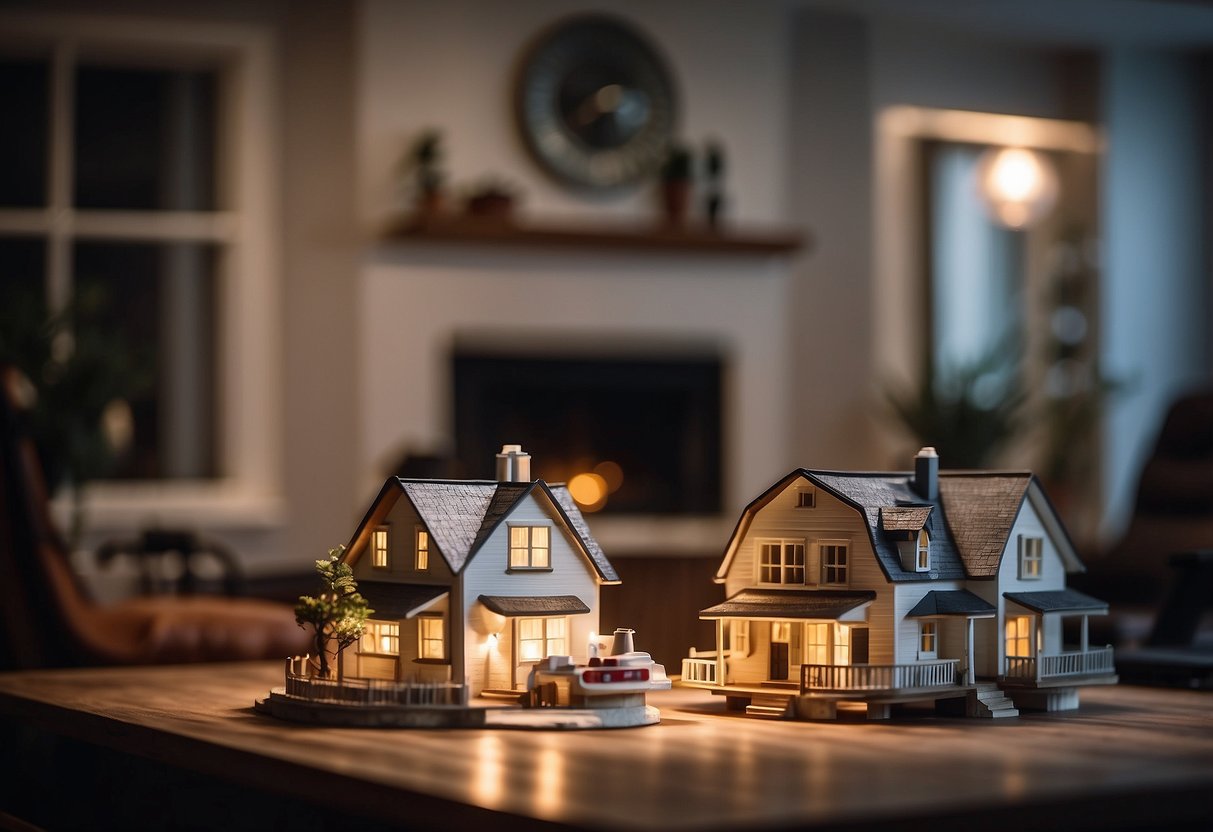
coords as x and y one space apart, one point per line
817 644
379 548
781 561
381 638
806 497
530 547
842 644
834 562
539 637
431 638
923 562
423 550
1019 636
1031 557
928 639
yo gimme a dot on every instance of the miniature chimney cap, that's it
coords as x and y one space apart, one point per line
926 451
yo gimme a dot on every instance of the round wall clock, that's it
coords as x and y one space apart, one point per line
596 103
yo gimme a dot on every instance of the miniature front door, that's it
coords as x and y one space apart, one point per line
859 645
781 645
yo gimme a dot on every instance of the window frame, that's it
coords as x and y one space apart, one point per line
421 549
546 640
928 639
784 569
529 548
739 637
842 571
374 632
1031 557
381 557
922 552
247 491
1026 636
426 641
806 496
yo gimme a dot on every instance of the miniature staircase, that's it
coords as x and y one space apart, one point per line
769 705
989 701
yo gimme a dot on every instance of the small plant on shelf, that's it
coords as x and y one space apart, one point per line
676 176
422 166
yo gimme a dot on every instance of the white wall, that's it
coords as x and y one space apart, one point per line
449 65
1155 296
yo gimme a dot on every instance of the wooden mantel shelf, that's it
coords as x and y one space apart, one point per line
497 231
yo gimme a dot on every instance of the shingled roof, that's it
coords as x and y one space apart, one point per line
981 508
969 524
460 515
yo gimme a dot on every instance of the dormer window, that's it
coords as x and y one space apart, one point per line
422 561
922 561
530 547
379 548
806 497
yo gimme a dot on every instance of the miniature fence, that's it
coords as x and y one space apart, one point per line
816 677
1081 663
301 683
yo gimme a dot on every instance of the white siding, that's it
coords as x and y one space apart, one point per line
829 519
907 596
487 573
991 648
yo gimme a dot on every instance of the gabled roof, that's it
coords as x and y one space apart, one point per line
969 524
982 507
460 515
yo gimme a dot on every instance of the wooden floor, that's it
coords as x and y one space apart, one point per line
181 746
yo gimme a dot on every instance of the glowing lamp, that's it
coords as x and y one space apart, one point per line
1018 185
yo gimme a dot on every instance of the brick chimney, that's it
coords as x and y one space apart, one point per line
926 474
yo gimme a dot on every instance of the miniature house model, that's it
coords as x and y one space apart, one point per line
883 588
474 582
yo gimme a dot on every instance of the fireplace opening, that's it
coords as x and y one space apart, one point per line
630 433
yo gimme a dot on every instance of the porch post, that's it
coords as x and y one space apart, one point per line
1085 633
1037 642
720 651
970 674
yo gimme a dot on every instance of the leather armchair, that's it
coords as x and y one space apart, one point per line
48 617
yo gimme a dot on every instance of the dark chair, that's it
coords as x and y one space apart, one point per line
50 621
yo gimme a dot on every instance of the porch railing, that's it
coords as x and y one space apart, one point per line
1080 663
300 683
699 670
843 677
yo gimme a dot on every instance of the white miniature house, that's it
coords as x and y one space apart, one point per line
475 582
889 587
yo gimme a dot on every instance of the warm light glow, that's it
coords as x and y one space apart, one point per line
1018 185
118 425
611 473
488 786
549 780
589 490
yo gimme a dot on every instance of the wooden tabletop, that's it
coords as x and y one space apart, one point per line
1130 758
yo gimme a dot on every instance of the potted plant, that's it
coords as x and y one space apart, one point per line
423 164
676 184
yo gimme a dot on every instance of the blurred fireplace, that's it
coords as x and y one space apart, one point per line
633 431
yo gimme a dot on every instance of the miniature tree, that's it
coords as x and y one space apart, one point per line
338 613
